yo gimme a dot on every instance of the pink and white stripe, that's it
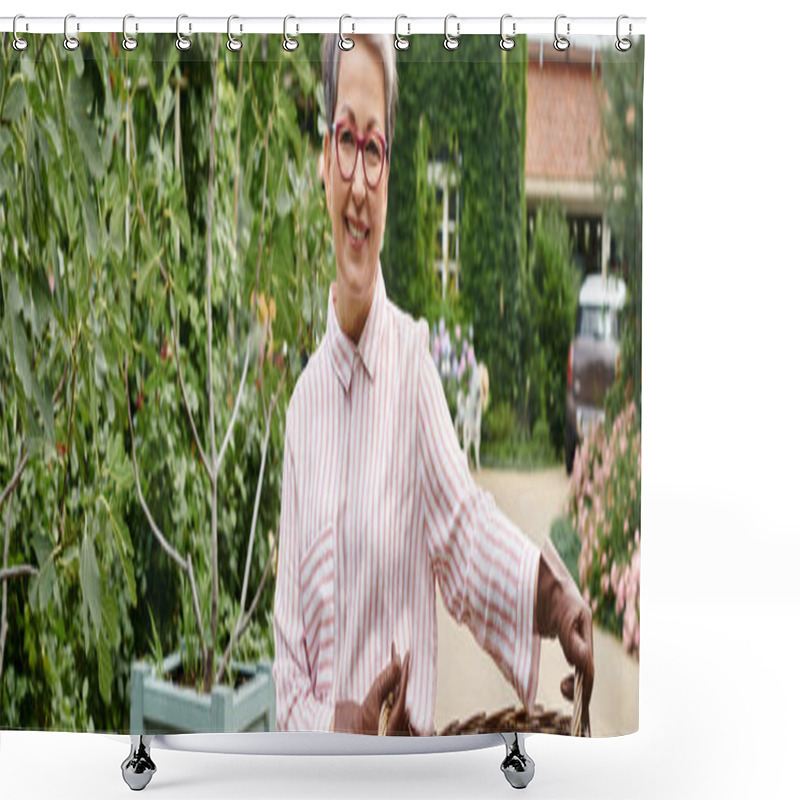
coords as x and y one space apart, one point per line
378 507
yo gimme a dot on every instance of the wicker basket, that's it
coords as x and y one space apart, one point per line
517 720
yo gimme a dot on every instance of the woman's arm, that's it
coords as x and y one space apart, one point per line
486 569
298 707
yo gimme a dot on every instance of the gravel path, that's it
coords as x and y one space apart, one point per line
469 681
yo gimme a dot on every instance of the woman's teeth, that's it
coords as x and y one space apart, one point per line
359 234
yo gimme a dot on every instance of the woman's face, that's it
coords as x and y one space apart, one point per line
357 210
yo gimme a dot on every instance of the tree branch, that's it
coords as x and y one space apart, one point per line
235 411
177 347
184 564
18 571
244 620
176 343
209 337
5 573
167 547
15 478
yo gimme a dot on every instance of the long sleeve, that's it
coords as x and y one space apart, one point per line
298 707
485 567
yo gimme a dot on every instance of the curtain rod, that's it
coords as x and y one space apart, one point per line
406 26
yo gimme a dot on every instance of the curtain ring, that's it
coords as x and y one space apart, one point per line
234 44
345 43
507 42
70 42
400 42
290 44
623 45
561 43
181 42
128 42
18 43
451 42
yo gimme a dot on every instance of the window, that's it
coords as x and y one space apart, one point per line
444 176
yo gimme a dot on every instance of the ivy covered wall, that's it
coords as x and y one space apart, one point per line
474 112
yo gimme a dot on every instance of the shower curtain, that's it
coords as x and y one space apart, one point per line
223 511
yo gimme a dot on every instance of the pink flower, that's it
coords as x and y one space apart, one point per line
458 331
605 583
471 356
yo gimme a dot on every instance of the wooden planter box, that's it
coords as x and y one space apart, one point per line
160 706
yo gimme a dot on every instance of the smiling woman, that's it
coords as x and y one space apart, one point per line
357 189
378 508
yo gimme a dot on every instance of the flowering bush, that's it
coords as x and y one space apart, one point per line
454 357
604 507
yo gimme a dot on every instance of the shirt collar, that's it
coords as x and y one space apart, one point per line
343 351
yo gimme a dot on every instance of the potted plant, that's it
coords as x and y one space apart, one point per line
192 488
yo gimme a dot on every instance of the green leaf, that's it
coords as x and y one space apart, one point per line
90 582
21 355
122 540
45 583
105 671
5 140
16 100
87 139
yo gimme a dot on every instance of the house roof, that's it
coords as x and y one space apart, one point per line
564 130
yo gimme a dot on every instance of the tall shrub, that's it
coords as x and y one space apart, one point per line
550 295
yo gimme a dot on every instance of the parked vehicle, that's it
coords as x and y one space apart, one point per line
593 358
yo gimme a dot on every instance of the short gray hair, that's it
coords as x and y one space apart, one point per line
330 77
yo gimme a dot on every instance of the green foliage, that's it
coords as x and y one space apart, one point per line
568 544
550 286
472 115
104 167
507 443
620 180
605 509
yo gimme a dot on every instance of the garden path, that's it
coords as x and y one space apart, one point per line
469 680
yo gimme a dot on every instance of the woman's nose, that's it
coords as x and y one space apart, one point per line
359 179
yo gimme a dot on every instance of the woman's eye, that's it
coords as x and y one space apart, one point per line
346 137
373 149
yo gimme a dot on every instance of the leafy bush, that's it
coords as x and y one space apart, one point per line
604 507
568 544
105 238
550 294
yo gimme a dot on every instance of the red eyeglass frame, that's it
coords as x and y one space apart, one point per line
360 144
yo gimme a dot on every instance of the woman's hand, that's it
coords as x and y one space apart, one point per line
562 612
352 717
399 722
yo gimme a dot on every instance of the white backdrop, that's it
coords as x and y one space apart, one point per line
720 599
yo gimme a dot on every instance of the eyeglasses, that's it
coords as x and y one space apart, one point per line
373 152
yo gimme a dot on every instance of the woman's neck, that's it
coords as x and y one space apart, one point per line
352 312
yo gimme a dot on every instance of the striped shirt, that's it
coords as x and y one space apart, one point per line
379 508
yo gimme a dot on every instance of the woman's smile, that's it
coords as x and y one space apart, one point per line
357 232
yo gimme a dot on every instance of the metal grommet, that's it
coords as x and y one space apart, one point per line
400 42
290 44
234 44
506 42
181 42
560 43
345 43
623 45
128 42
18 44
70 42
451 42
